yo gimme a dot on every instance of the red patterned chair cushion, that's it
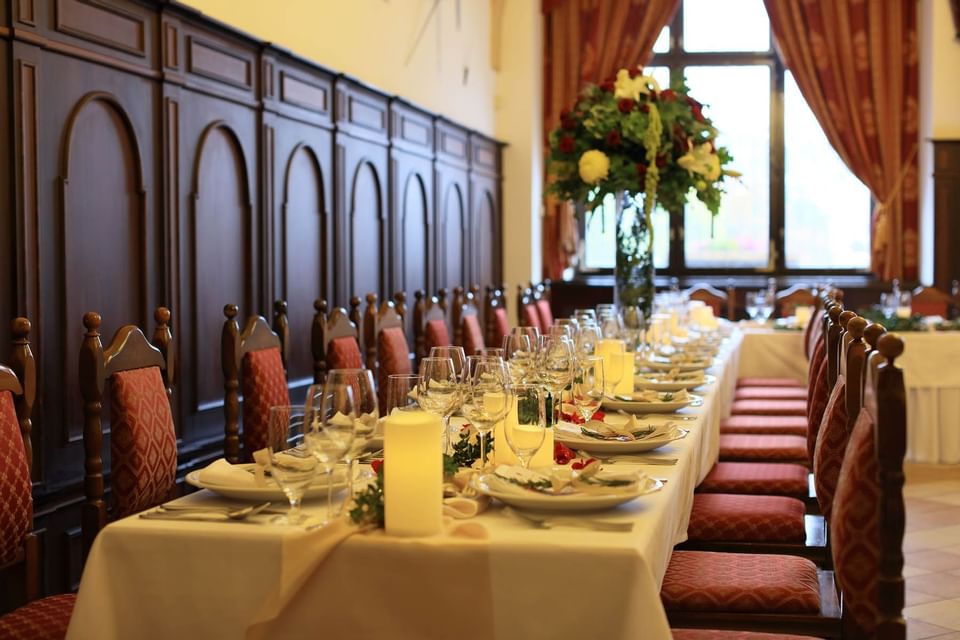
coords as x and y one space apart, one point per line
831 445
770 393
769 407
756 448
546 314
436 335
855 526
721 517
394 355
502 324
740 582
45 619
757 478
143 443
773 425
16 502
531 317
264 385
344 353
710 634
768 382
817 405
472 335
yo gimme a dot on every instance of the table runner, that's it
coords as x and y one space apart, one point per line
160 579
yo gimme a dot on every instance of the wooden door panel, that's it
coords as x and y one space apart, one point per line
366 231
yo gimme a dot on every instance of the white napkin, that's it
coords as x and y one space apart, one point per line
564 480
651 395
220 472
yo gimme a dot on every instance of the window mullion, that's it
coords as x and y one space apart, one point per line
777 158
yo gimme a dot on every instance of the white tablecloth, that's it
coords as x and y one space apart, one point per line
158 579
931 373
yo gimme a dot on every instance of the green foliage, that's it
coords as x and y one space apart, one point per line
368 505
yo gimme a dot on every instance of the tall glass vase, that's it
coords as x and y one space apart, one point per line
634 287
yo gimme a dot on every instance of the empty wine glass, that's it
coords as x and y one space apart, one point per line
454 353
588 386
582 315
490 352
438 390
292 464
401 392
488 397
587 340
574 325
611 325
518 353
332 416
556 368
525 435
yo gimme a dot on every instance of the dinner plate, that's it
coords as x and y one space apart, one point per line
612 404
666 365
658 383
535 500
570 435
317 489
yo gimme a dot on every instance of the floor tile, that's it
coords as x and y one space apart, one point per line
909 571
944 585
914 597
945 613
933 560
919 630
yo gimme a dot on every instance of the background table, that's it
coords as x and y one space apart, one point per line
161 579
931 372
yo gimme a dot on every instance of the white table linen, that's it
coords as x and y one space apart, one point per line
161 579
931 373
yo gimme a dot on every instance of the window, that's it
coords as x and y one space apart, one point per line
794 184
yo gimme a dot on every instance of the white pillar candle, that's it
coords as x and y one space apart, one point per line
612 353
802 315
903 312
412 474
625 386
503 454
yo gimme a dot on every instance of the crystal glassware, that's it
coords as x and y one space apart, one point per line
291 462
332 416
439 391
588 386
518 353
401 393
526 435
488 397
456 354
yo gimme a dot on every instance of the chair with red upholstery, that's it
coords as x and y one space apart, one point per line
429 324
38 619
335 342
469 334
393 351
143 441
930 301
529 315
788 594
498 324
541 296
253 362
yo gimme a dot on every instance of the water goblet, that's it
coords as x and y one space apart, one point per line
291 462
332 417
401 392
588 386
518 353
454 353
487 399
526 435
438 391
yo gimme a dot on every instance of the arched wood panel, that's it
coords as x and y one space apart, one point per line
104 230
453 247
303 251
485 233
414 243
220 248
366 231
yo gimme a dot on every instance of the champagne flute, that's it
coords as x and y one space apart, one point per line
488 397
525 436
439 391
291 462
588 386
332 417
401 392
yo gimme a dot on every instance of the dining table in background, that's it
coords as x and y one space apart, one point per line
165 579
931 372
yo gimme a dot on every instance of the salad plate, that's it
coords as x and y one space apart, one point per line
586 438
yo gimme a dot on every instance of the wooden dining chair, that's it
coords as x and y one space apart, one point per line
456 315
143 440
252 362
711 296
930 301
471 334
334 344
798 295
430 324
542 296
498 324
784 594
35 619
393 350
528 314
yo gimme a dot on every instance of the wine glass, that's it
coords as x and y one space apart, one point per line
525 435
574 325
611 325
561 330
588 386
438 390
556 368
490 352
488 397
587 340
582 315
518 353
764 306
332 416
454 353
291 462
401 392
753 309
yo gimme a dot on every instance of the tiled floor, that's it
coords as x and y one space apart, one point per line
931 549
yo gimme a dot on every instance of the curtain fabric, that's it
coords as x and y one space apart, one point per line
586 41
855 62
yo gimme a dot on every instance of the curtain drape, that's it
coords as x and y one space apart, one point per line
586 41
855 62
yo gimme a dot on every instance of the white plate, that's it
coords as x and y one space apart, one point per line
569 434
684 367
609 404
651 381
537 501
317 489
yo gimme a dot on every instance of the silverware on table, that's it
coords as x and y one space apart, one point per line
624 457
549 522
212 514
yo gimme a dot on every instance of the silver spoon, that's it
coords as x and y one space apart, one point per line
234 514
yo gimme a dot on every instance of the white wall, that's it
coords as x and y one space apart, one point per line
939 115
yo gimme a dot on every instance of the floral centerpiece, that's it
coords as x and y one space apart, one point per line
647 147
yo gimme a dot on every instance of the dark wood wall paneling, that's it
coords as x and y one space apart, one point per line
156 157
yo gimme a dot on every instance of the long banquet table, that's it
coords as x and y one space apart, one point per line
163 579
931 372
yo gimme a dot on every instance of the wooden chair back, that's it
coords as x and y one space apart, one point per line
833 331
799 295
527 313
400 303
456 315
495 309
391 357
475 292
471 332
845 338
370 331
710 296
281 327
930 301
129 349
425 312
24 365
338 325
318 329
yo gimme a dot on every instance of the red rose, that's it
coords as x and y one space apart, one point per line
668 95
696 108
613 138
377 465
641 169
661 161
562 454
565 113
569 124
608 86
566 144
582 464
644 108
625 105
653 96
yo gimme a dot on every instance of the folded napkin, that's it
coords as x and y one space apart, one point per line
222 473
460 499
563 480
651 395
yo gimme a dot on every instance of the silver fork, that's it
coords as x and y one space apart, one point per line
637 459
544 522
234 515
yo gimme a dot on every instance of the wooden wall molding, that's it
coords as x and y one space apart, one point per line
161 158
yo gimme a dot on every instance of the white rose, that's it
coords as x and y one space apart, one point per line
594 166
701 159
633 88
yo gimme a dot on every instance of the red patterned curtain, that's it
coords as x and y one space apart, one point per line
586 41
855 62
